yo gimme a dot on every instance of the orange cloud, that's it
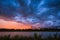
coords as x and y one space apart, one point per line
13 25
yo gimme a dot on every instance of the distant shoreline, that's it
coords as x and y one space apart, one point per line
42 30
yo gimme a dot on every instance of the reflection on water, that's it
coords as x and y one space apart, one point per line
27 33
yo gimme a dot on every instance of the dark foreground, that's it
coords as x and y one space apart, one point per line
35 37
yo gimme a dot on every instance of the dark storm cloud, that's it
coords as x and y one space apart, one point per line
26 7
52 3
8 7
39 9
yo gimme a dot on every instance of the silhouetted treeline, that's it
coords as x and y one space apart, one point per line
35 37
41 29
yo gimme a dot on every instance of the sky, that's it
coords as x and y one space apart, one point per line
29 13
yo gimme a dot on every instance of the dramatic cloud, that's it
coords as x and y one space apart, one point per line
44 12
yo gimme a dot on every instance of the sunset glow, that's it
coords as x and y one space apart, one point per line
13 25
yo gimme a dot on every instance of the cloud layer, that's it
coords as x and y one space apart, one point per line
32 11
